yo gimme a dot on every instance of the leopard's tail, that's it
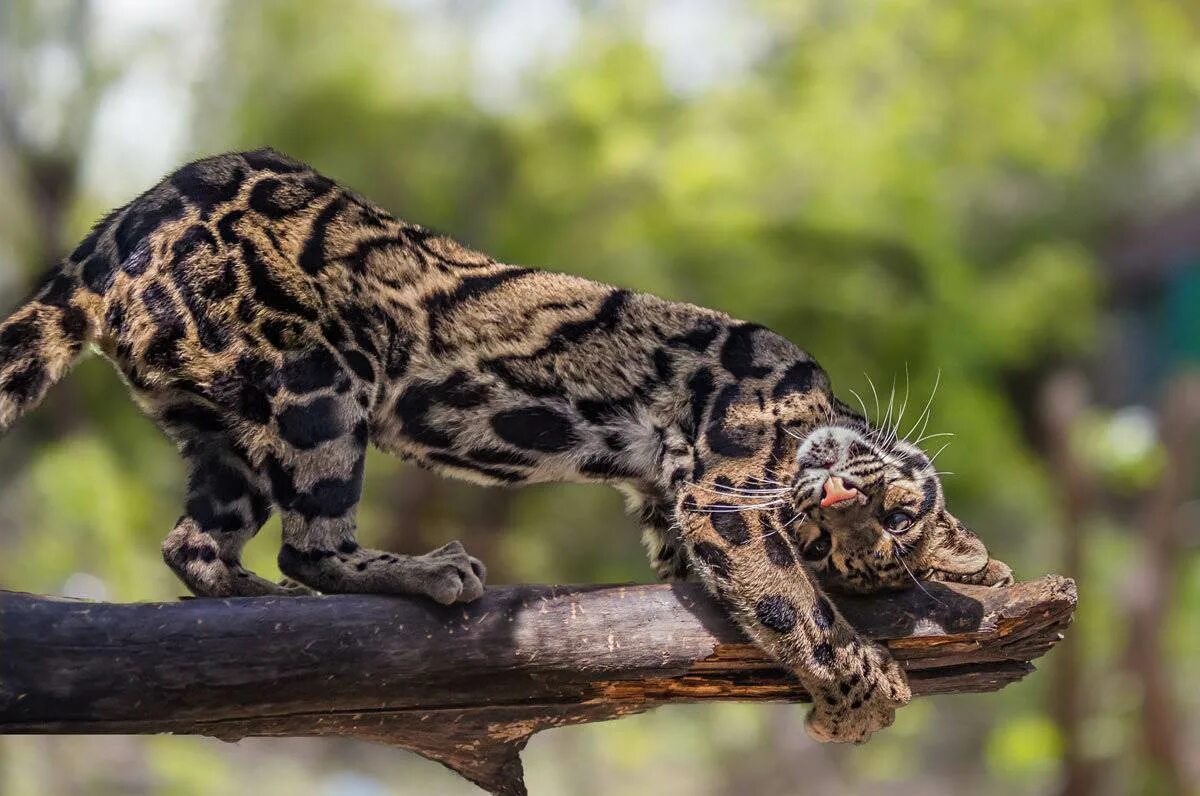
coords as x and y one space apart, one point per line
41 339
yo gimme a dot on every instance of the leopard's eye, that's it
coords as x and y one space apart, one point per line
898 521
818 548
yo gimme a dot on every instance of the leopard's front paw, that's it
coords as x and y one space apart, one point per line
448 574
865 701
997 573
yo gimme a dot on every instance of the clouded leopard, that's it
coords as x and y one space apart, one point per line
274 324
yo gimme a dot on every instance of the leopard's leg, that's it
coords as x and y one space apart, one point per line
748 561
318 486
660 535
227 503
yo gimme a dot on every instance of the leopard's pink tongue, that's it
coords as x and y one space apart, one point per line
836 492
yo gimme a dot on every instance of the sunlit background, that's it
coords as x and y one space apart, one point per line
1005 193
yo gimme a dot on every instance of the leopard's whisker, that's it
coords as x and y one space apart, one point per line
875 393
767 482
737 492
903 405
771 471
862 404
744 490
887 418
899 556
799 518
718 508
787 524
933 458
792 434
926 413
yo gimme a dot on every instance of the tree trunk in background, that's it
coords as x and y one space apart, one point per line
414 503
426 510
1152 584
1063 398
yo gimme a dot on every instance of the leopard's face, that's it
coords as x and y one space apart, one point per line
876 515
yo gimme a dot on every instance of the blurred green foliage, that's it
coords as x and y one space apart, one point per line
911 190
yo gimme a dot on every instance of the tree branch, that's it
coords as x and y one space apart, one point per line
464 685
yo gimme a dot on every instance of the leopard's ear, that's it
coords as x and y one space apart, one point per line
953 552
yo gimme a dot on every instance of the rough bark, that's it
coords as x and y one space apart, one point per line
464 685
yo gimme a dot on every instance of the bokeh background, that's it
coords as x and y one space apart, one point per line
1005 193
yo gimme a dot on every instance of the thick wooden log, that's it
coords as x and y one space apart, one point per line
464 685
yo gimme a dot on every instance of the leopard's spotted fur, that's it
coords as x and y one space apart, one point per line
274 324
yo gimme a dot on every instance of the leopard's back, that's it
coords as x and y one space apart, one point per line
243 284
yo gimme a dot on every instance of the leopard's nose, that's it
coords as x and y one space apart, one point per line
837 492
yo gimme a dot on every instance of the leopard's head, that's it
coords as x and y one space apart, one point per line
876 514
